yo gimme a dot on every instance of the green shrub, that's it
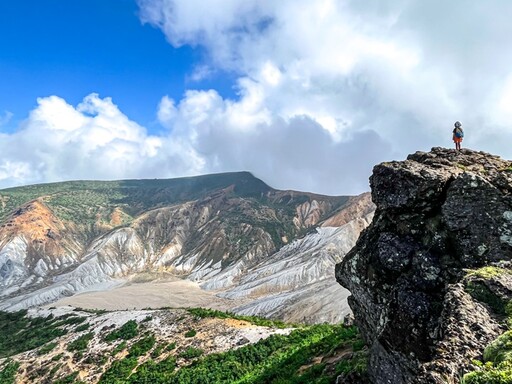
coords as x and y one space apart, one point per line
205 312
490 374
142 346
93 311
118 371
358 364
20 333
57 357
488 272
171 346
158 350
80 343
8 373
190 333
276 359
55 369
127 331
151 372
82 327
500 349
70 320
69 379
191 353
119 348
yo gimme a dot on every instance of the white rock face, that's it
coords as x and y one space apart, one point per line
12 262
295 283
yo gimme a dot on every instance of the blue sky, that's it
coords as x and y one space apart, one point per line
74 48
307 95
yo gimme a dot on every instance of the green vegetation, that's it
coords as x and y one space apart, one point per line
497 357
127 331
191 353
159 349
55 369
190 333
277 359
480 292
118 371
491 374
82 327
69 319
20 333
97 206
8 373
151 372
142 346
498 366
170 347
500 349
204 312
488 272
58 357
93 311
85 201
119 348
81 343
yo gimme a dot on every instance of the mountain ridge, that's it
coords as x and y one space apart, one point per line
213 229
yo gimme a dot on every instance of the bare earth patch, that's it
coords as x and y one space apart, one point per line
174 293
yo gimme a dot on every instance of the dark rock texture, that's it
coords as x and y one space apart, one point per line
422 313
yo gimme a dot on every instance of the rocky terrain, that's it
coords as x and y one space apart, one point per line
431 278
262 251
72 345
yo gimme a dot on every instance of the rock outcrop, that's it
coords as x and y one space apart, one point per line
419 295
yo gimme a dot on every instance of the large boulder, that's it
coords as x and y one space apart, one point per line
439 215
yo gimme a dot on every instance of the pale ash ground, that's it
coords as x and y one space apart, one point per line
170 292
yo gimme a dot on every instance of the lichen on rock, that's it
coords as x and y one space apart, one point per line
440 213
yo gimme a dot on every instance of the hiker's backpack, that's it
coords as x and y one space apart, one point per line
459 133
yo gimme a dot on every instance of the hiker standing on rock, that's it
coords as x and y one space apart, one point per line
458 134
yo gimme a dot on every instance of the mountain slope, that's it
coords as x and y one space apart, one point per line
68 345
60 239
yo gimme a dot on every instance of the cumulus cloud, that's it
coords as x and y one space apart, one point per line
326 89
93 140
394 74
293 153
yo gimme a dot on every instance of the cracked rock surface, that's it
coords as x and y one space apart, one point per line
439 214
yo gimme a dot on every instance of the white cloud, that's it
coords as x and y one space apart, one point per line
94 140
399 72
326 89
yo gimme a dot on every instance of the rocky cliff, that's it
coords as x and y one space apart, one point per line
430 277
